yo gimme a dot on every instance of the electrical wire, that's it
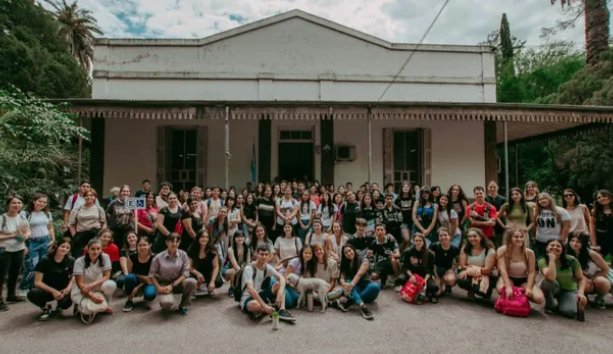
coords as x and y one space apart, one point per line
413 52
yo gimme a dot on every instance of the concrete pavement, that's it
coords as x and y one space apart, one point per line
216 325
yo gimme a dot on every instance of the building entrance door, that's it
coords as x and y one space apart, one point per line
296 155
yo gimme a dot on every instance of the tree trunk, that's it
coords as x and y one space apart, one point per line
596 29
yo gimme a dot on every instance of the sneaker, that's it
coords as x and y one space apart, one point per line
256 316
14 299
3 307
108 311
56 312
346 306
201 291
335 304
45 316
366 313
22 293
599 304
128 306
230 292
284 315
397 288
550 311
448 290
183 311
75 310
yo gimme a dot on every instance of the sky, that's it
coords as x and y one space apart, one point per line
402 21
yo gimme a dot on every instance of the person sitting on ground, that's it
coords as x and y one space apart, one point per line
239 254
418 260
258 293
92 274
446 260
360 241
170 274
355 279
53 280
327 269
386 255
594 267
138 280
477 261
129 248
204 265
564 283
517 267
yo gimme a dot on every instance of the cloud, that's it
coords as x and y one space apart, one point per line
462 22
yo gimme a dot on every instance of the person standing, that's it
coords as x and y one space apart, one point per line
482 215
120 218
73 202
497 201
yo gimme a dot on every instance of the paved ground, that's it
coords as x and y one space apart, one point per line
454 325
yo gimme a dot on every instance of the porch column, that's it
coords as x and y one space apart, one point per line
506 159
264 149
96 159
369 114
227 148
326 133
491 163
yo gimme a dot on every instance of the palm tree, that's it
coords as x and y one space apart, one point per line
596 15
78 27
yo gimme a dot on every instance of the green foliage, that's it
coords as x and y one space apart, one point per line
34 57
506 42
37 150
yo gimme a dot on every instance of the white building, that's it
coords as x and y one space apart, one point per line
304 92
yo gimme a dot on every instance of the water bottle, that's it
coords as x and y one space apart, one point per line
275 320
309 299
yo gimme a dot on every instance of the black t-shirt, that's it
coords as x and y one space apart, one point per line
497 202
406 207
381 250
350 214
205 265
413 262
197 222
140 268
443 259
266 210
122 253
171 219
140 193
249 211
56 275
361 244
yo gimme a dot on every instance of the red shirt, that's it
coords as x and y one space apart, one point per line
488 231
147 217
111 250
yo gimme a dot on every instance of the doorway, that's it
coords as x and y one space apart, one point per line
296 155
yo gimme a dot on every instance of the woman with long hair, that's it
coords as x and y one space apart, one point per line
436 193
338 240
477 261
168 219
260 237
249 214
163 193
307 210
318 236
349 212
42 236
448 218
286 210
289 245
369 213
594 267
517 267
459 202
120 218
355 280
405 202
601 226
326 211
579 213
147 217
53 280
552 223
425 215
85 221
138 280
204 265
419 260
193 222
266 211
129 248
327 270
564 283
234 216
239 254
531 193
517 213
92 274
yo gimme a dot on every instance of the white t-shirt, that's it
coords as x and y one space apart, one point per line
286 207
548 227
305 209
288 247
94 271
325 217
39 223
232 215
214 206
77 203
257 282
12 225
329 272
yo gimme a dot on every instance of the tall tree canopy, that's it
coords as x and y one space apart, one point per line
34 57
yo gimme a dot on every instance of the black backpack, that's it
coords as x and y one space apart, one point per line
238 285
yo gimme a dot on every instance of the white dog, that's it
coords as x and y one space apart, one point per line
302 285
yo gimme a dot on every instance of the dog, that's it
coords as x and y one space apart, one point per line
302 285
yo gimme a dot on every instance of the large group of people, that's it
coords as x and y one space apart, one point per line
262 238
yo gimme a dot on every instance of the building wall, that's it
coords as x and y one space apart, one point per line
457 156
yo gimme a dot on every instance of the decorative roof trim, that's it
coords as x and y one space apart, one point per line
134 113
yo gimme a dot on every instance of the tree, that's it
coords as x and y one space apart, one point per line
34 57
37 153
77 26
596 13
506 41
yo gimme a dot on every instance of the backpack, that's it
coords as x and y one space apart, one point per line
414 293
75 197
518 306
238 285
208 202
3 220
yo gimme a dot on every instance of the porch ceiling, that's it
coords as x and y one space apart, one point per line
524 130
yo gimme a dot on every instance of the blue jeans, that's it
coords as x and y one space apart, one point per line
37 249
303 233
364 292
291 295
131 282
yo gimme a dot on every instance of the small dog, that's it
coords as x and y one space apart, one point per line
302 285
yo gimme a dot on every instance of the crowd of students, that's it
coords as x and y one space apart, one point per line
357 241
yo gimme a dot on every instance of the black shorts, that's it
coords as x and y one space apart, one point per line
517 282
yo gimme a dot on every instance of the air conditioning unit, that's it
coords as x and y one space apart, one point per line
344 152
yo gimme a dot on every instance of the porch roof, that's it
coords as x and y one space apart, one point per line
524 120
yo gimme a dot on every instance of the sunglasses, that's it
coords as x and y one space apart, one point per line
568 195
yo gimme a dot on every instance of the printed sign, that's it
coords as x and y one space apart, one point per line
136 203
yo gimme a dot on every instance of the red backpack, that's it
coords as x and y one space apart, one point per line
518 306
413 293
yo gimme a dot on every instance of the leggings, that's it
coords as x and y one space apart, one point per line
10 267
567 299
41 298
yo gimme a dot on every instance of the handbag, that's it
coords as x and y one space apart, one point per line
518 306
414 293
89 308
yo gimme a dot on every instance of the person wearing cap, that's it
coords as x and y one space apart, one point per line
482 215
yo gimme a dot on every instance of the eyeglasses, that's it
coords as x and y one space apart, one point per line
568 195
